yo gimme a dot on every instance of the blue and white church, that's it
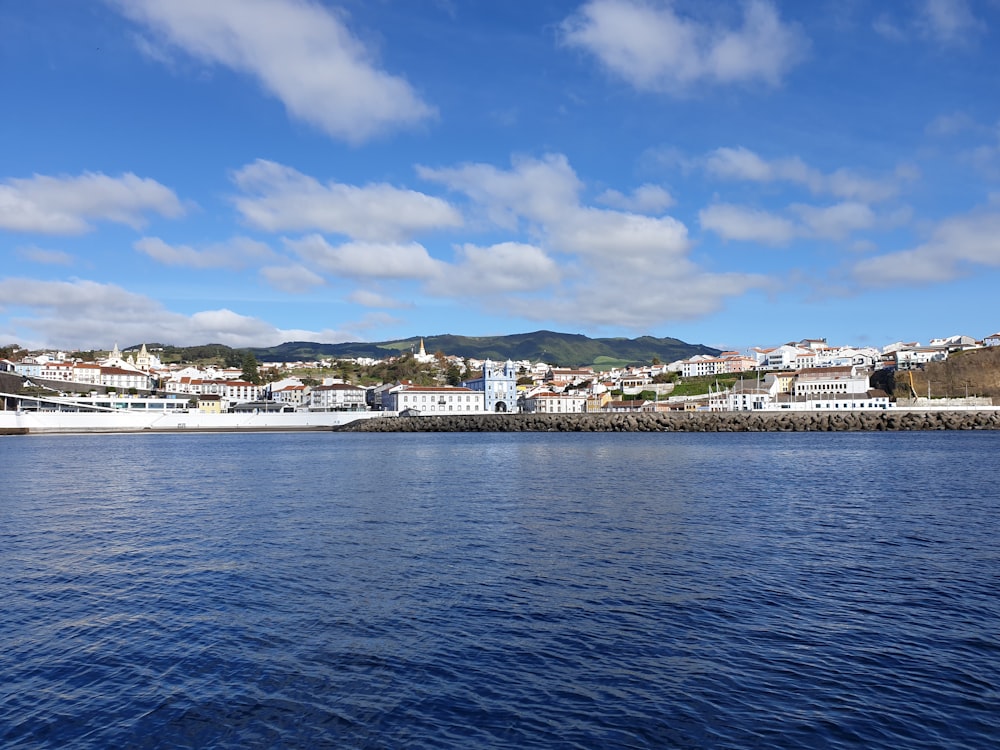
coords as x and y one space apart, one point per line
498 384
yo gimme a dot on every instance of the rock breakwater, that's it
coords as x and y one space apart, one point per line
689 422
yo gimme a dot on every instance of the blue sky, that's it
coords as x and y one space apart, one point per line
729 173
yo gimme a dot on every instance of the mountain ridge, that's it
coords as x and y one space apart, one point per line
564 349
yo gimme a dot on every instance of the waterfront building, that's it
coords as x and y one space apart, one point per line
597 401
498 386
432 399
335 397
294 395
829 380
556 403
210 403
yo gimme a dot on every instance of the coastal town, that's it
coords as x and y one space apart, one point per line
804 375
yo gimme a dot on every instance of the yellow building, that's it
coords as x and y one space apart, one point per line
210 403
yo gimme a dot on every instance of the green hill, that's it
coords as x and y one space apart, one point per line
564 349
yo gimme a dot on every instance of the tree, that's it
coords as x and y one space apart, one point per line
250 372
452 375
8 352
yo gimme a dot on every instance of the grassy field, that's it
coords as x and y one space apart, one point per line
603 364
700 385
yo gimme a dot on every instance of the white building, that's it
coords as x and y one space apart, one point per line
785 357
556 403
87 372
824 381
294 395
915 357
335 397
433 399
120 379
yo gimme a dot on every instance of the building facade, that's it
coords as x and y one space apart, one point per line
498 386
432 399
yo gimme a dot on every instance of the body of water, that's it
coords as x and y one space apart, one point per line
807 590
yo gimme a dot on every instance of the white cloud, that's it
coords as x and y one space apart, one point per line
298 51
944 22
951 124
279 198
236 253
505 268
620 237
835 222
743 164
886 27
644 199
732 222
948 21
618 268
655 49
956 246
368 298
366 260
617 296
87 314
45 257
540 190
70 205
294 279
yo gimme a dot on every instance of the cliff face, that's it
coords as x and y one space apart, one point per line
9 382
972 373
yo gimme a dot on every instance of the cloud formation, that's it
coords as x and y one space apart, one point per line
366 260
644 199
298 51
45 257
236 253
947 23
83 314
619 268
654 48
70 205
293 279
732 222
741 163
503 268
955 248
743 223
278 198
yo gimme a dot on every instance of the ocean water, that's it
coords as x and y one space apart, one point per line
808 590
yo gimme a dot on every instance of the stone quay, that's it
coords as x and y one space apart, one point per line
759 421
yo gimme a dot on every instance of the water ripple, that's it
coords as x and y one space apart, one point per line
556 591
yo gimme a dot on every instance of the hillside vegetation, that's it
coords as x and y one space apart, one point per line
563 349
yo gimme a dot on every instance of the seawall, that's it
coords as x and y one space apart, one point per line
690 422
